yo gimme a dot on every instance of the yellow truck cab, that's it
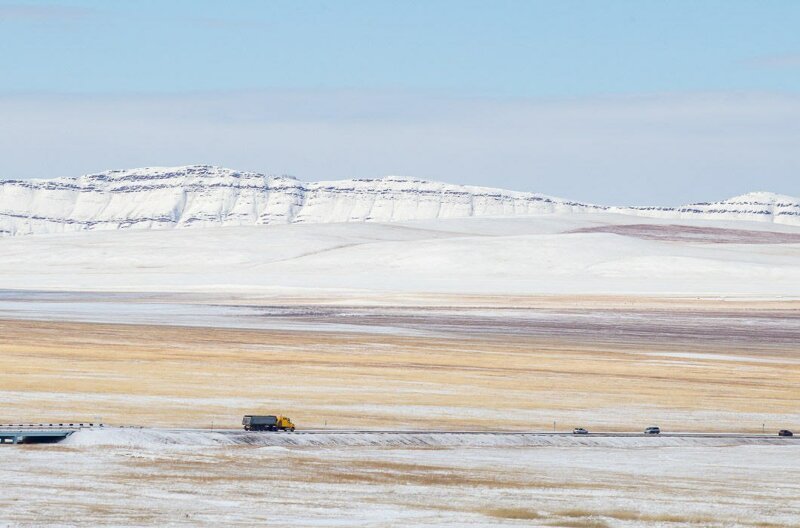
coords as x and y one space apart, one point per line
285 423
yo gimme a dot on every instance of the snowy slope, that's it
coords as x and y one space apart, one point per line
575 254
152 198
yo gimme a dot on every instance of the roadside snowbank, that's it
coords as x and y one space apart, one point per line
159 438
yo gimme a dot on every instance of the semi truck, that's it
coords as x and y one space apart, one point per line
270 422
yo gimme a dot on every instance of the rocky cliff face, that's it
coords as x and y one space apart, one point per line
156 198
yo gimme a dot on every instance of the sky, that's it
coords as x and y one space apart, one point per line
616 102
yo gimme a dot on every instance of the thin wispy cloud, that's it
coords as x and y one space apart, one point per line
42 12
225 23
777 61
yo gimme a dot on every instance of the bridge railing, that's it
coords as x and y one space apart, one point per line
54 425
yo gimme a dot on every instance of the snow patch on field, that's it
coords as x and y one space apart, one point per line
378 487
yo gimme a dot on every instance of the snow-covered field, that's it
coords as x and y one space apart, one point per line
548 254
140 479
596 319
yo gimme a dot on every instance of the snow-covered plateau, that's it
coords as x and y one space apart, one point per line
122 231
200 195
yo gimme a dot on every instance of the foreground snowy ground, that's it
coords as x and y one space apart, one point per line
138 478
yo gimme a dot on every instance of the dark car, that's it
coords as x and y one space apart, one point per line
785 432
652 431
580 430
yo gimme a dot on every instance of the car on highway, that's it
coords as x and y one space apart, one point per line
785 432
580 430
652 431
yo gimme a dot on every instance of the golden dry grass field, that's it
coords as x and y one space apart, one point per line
153 375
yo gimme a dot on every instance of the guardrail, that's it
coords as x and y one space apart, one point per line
65 425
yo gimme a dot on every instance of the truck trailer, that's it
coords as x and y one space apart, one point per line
252 422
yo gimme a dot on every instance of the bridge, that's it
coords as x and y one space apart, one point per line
40 433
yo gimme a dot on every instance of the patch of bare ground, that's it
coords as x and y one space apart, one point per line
697 234
52 513
592 516
579 523
630 515
393 473
513 513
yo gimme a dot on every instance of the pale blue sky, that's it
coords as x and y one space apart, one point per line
616 101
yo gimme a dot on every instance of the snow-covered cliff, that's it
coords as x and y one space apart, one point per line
202 195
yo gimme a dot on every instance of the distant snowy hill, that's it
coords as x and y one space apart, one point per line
157 198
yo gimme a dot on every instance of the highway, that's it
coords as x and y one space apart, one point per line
630 434
539 433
